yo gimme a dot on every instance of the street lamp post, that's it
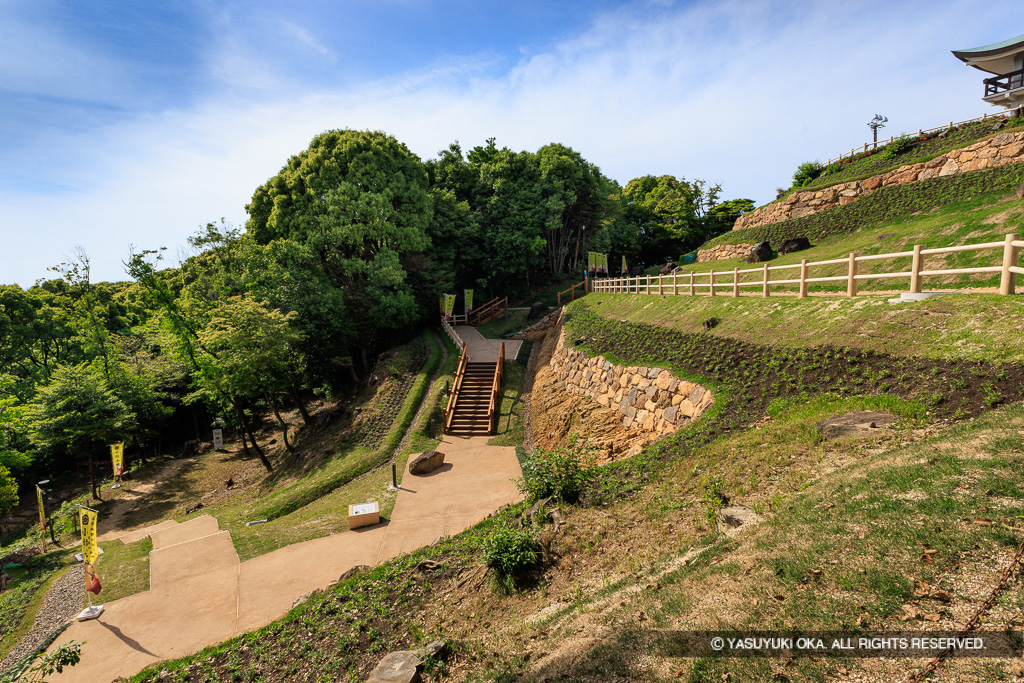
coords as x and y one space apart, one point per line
874 124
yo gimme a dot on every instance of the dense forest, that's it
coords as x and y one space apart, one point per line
346 251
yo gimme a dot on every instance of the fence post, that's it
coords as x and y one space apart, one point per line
1008 280
693 289
675 284
559 298
765 288
803 279
648 289
851 282
915 270
712 283
735 282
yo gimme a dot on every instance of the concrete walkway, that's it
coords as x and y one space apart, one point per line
200 594
482 349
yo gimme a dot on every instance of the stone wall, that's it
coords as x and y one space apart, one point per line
648 398
1007 148
720 252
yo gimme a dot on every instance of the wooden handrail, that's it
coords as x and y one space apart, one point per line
1009 268
449 411
1004 82
488 311
492 407
572 292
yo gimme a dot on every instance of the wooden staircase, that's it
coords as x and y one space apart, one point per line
473 405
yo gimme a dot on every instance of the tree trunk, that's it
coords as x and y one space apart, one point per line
195 421
246 429
92 477
294 393
280 421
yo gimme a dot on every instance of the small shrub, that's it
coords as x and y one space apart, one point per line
563 473
806 172
510 552
897 147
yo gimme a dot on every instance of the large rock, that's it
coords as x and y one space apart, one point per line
795 244
538 310
861 423
667 268
761 252
734 516
397 667
636 271
426 462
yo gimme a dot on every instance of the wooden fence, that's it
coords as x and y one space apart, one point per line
920 133
711 282
453 335
571 292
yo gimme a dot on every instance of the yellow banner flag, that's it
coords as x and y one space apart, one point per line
449 303
90 550
42 510
117 455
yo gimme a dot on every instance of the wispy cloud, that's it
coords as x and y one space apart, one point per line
307 39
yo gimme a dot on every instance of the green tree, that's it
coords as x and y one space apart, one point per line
76 411
250 354
8 492
360 201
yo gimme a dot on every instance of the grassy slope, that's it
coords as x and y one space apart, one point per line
873 162
889 204
972 222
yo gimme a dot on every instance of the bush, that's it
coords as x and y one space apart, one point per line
563 473
510 552
897 147
806 172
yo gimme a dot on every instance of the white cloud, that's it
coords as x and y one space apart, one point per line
734 92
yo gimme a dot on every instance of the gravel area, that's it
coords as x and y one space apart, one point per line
62 602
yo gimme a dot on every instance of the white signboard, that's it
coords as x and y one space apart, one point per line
364 509
218 439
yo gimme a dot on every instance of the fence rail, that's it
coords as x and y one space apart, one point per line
920 133
453 397
572 291
493 407
1008 269
453 335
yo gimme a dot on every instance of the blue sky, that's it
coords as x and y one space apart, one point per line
135 123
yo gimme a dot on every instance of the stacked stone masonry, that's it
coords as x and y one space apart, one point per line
648 398
720 252
1007 148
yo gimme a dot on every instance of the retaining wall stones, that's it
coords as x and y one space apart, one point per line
648 398
720 252
1007 148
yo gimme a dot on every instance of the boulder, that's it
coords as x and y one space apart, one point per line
761 252
538 310
397 667
667 268
636 271
860 423
5 581
426 462
734 516
795 244
437 649
1020 191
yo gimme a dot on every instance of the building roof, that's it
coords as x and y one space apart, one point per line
996 58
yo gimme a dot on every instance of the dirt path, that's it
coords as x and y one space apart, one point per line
133 493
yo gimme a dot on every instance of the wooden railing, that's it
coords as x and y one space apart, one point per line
1005 82
690 283
487 312
453 335
493 407
572 292
920 134
453 397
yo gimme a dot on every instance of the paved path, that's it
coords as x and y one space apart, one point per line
482 349
200 594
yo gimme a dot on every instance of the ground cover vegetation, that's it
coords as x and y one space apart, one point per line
891 203
903 150
978 220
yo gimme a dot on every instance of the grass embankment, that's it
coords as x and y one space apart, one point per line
876 162
506 324
20 603
892 204
848 527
